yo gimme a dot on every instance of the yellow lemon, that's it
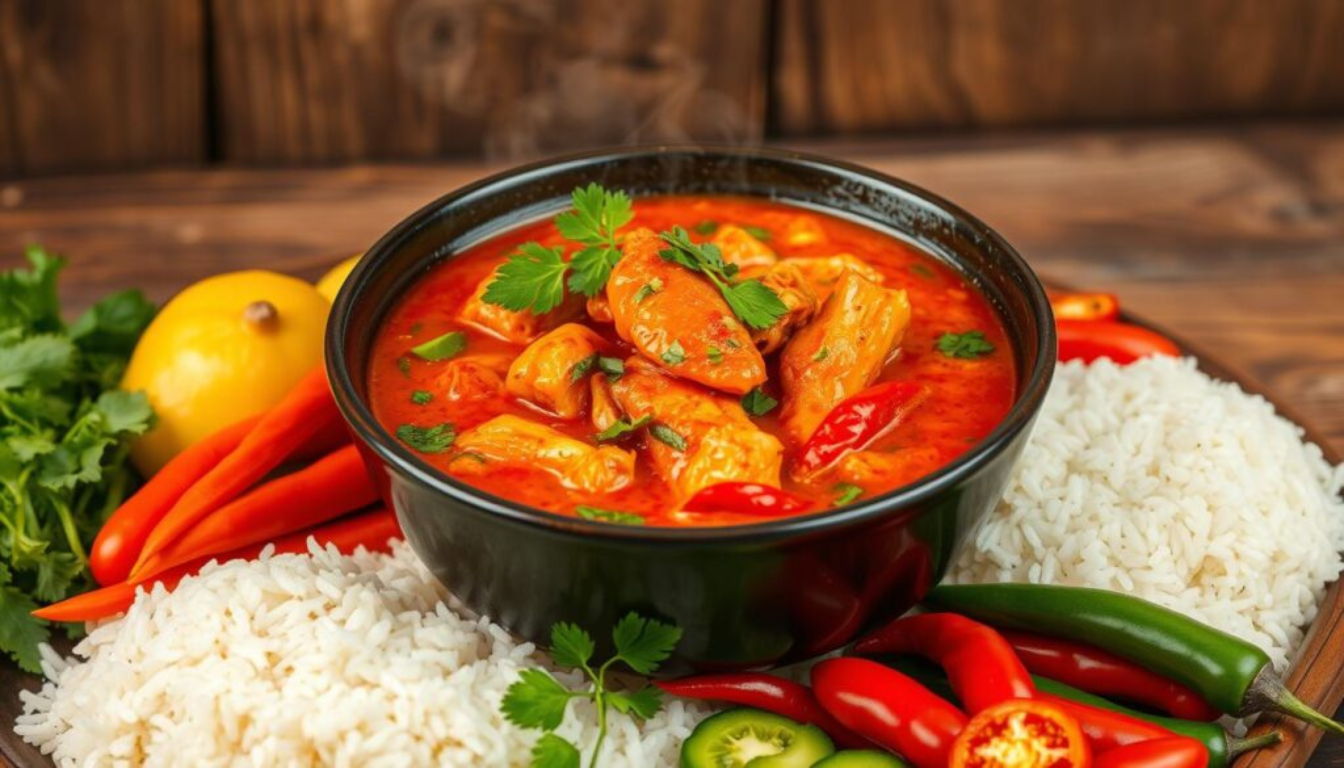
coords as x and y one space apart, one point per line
331 283
224 349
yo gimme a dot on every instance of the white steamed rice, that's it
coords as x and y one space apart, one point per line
1157 480
310 659
1151 479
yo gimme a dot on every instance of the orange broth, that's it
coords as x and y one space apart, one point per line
967 397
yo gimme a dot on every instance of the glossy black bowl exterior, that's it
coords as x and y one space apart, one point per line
745 596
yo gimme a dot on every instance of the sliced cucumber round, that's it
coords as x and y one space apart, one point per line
741 737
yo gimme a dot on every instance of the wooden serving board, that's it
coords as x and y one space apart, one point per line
1317 677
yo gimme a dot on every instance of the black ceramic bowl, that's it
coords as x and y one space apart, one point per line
746 596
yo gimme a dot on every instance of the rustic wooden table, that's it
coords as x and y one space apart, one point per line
1232 237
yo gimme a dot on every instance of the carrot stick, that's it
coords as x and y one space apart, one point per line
306 411
372 530
321 491
123 535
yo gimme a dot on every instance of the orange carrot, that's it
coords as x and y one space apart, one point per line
123 535
306 411
321 491
372 530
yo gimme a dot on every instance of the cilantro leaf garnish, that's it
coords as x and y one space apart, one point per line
537 700
620 428
608 515
968 345
668 436
757 403
445 347
532 279
846 492
435 439
535 277
421 397
751 300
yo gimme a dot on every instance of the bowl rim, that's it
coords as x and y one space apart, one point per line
368 430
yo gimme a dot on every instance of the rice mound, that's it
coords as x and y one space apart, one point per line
1156 480
306 660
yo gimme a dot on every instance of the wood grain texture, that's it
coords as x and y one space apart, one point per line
317 81
100 85
847 66
1232 238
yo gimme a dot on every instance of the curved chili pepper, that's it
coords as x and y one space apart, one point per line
889 709
1108 729
1170 752
855 423
1085 306
772 694
980 664
1123 343
1105 674
747 499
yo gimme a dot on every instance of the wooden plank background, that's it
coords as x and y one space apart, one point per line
89 85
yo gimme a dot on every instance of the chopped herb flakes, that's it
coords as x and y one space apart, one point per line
706 227
675 354
822 354
922 270
435 439
968 345
404 365
614 367
421 397
582 367
608 515
760 233
714 354
668 436
648 289
757 403
620 428
445 347
846 492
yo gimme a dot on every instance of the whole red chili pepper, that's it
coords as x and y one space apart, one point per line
1106 729
772 694
856 422
747 499
889 709
980 665
1170 752
1105 674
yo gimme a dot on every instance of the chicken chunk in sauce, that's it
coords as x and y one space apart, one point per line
515 441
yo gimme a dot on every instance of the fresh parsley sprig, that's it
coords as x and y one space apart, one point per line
751 300
538 700
535 277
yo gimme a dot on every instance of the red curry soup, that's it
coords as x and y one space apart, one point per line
690 361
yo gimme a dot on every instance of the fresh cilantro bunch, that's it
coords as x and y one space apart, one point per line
64 436
751 300
538 700
534 278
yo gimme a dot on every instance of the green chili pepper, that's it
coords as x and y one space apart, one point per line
1223 747
1229 673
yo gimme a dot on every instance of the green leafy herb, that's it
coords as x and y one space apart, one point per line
706 227
675 354
648 289
760 233
582 367
757 403
609 515
537 700
752 302
620 428
922 270
65 431
421 397
668 436
714 354
532 279
846 492
404 365
968 345
435 439
535 277
822 354
445 347
614 367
